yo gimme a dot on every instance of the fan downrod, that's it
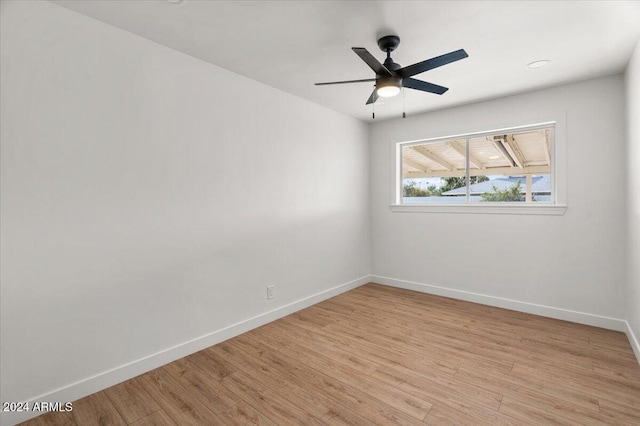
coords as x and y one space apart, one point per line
388 43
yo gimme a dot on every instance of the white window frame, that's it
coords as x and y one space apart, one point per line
557 206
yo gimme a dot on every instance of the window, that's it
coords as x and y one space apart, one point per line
503 168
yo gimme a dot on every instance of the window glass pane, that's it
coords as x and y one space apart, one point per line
512 167
507 167
541 188
499 188
430 170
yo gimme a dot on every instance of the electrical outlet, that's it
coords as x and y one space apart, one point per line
270 291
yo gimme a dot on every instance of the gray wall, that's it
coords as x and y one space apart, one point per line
572 263
148 198
632 80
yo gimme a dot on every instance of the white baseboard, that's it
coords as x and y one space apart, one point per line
633 339
119 374
500 302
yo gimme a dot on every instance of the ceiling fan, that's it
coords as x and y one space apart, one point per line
390 76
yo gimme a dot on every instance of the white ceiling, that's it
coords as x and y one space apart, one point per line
292 44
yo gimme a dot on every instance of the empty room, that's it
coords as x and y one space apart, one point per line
319 212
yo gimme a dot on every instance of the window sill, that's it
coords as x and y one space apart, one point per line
494 208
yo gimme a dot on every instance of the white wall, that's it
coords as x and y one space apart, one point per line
632 80
149 197
573 262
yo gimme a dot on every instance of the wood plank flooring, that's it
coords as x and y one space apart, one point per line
384 356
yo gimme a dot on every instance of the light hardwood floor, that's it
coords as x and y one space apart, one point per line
381 355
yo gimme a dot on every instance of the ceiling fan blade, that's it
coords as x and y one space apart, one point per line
347 82
373 97
432 63
376 66
412 83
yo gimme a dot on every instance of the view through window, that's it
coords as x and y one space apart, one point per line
507 166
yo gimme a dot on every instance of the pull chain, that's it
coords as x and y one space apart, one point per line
373 107
403 113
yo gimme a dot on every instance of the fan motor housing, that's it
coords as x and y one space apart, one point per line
390 65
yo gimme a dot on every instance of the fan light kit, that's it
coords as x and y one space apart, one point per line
391 77
388 87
